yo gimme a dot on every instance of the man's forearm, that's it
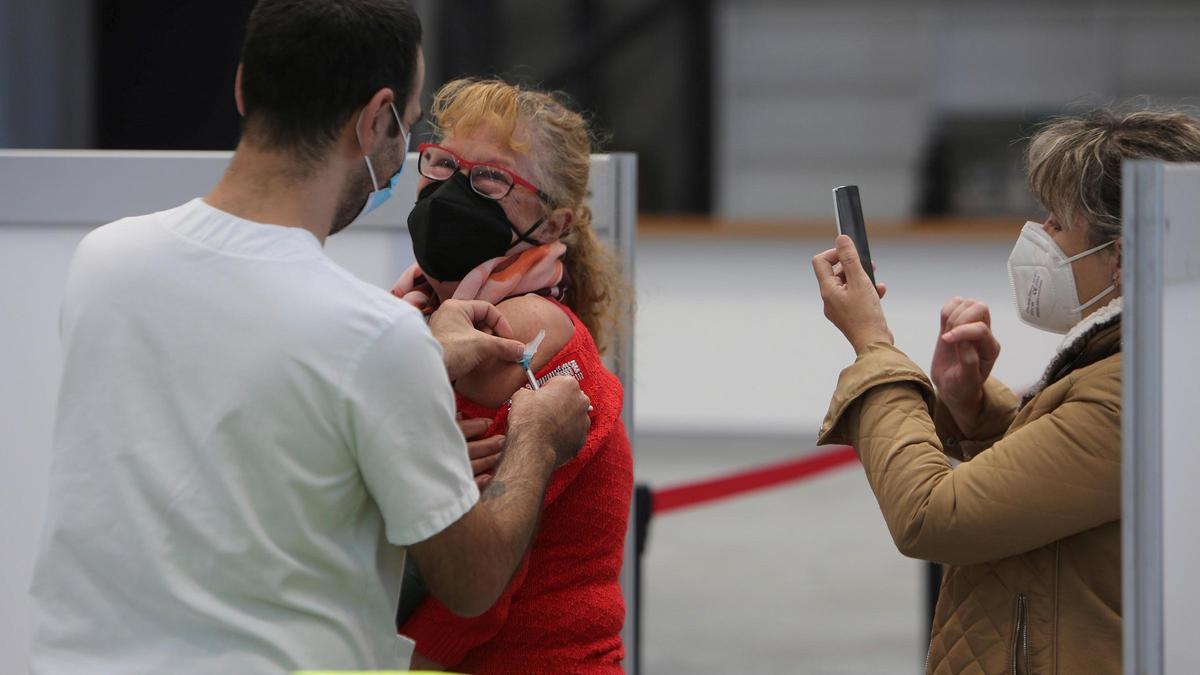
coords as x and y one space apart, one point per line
469 564
513 497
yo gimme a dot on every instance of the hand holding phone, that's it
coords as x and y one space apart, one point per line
853 309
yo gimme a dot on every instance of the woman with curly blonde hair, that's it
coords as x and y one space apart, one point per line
501 216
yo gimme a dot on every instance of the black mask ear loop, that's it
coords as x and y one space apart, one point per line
525 237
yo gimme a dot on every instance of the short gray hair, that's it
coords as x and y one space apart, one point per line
1074 162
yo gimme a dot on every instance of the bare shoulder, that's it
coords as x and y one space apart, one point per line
528 314
493 384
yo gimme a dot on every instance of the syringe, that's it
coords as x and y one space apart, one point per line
527 358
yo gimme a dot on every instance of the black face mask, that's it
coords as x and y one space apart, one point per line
454 229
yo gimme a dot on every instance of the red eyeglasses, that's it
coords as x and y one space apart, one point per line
488 180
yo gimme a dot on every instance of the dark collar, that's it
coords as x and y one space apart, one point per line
1096 342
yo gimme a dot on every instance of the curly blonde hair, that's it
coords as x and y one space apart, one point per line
559 146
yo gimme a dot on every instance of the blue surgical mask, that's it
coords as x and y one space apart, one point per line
378 194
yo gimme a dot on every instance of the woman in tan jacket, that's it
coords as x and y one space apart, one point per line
1029 523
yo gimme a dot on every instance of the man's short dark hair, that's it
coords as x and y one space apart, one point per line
308 66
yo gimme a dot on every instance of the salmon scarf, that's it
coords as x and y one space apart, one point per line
537 270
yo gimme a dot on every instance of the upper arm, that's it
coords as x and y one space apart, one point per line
492 384
445 637
1054 477
409 449
454 562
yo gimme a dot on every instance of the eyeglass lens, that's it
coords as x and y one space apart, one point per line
491 182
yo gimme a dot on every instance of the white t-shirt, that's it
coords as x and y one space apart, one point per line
247 435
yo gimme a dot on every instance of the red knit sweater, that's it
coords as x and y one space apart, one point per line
563 610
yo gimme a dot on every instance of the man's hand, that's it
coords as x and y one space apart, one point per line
554 417
485 453
963 358
472 332
851 303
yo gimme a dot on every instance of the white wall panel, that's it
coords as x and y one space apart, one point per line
1161 389
1180 441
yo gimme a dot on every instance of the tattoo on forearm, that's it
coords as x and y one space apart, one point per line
494 490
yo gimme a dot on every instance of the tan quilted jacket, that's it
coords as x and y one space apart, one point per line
1028 525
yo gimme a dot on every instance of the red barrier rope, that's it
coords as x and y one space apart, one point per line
699 492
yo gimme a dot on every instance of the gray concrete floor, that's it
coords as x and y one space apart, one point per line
801 578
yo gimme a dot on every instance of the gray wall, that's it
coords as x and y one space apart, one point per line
817 94
46 74
808 95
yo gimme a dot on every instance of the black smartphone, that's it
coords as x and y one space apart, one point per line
850 222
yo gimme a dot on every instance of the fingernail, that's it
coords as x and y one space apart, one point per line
500 439
590 408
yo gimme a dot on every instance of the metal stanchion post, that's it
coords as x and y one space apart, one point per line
643 508
933 583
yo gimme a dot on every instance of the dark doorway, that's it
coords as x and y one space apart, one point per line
165 73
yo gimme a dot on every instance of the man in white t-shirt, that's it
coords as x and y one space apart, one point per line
249 439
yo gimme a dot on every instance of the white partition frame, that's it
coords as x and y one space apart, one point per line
1161 462
50 199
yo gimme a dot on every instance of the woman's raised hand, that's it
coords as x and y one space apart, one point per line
851 303
963 358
